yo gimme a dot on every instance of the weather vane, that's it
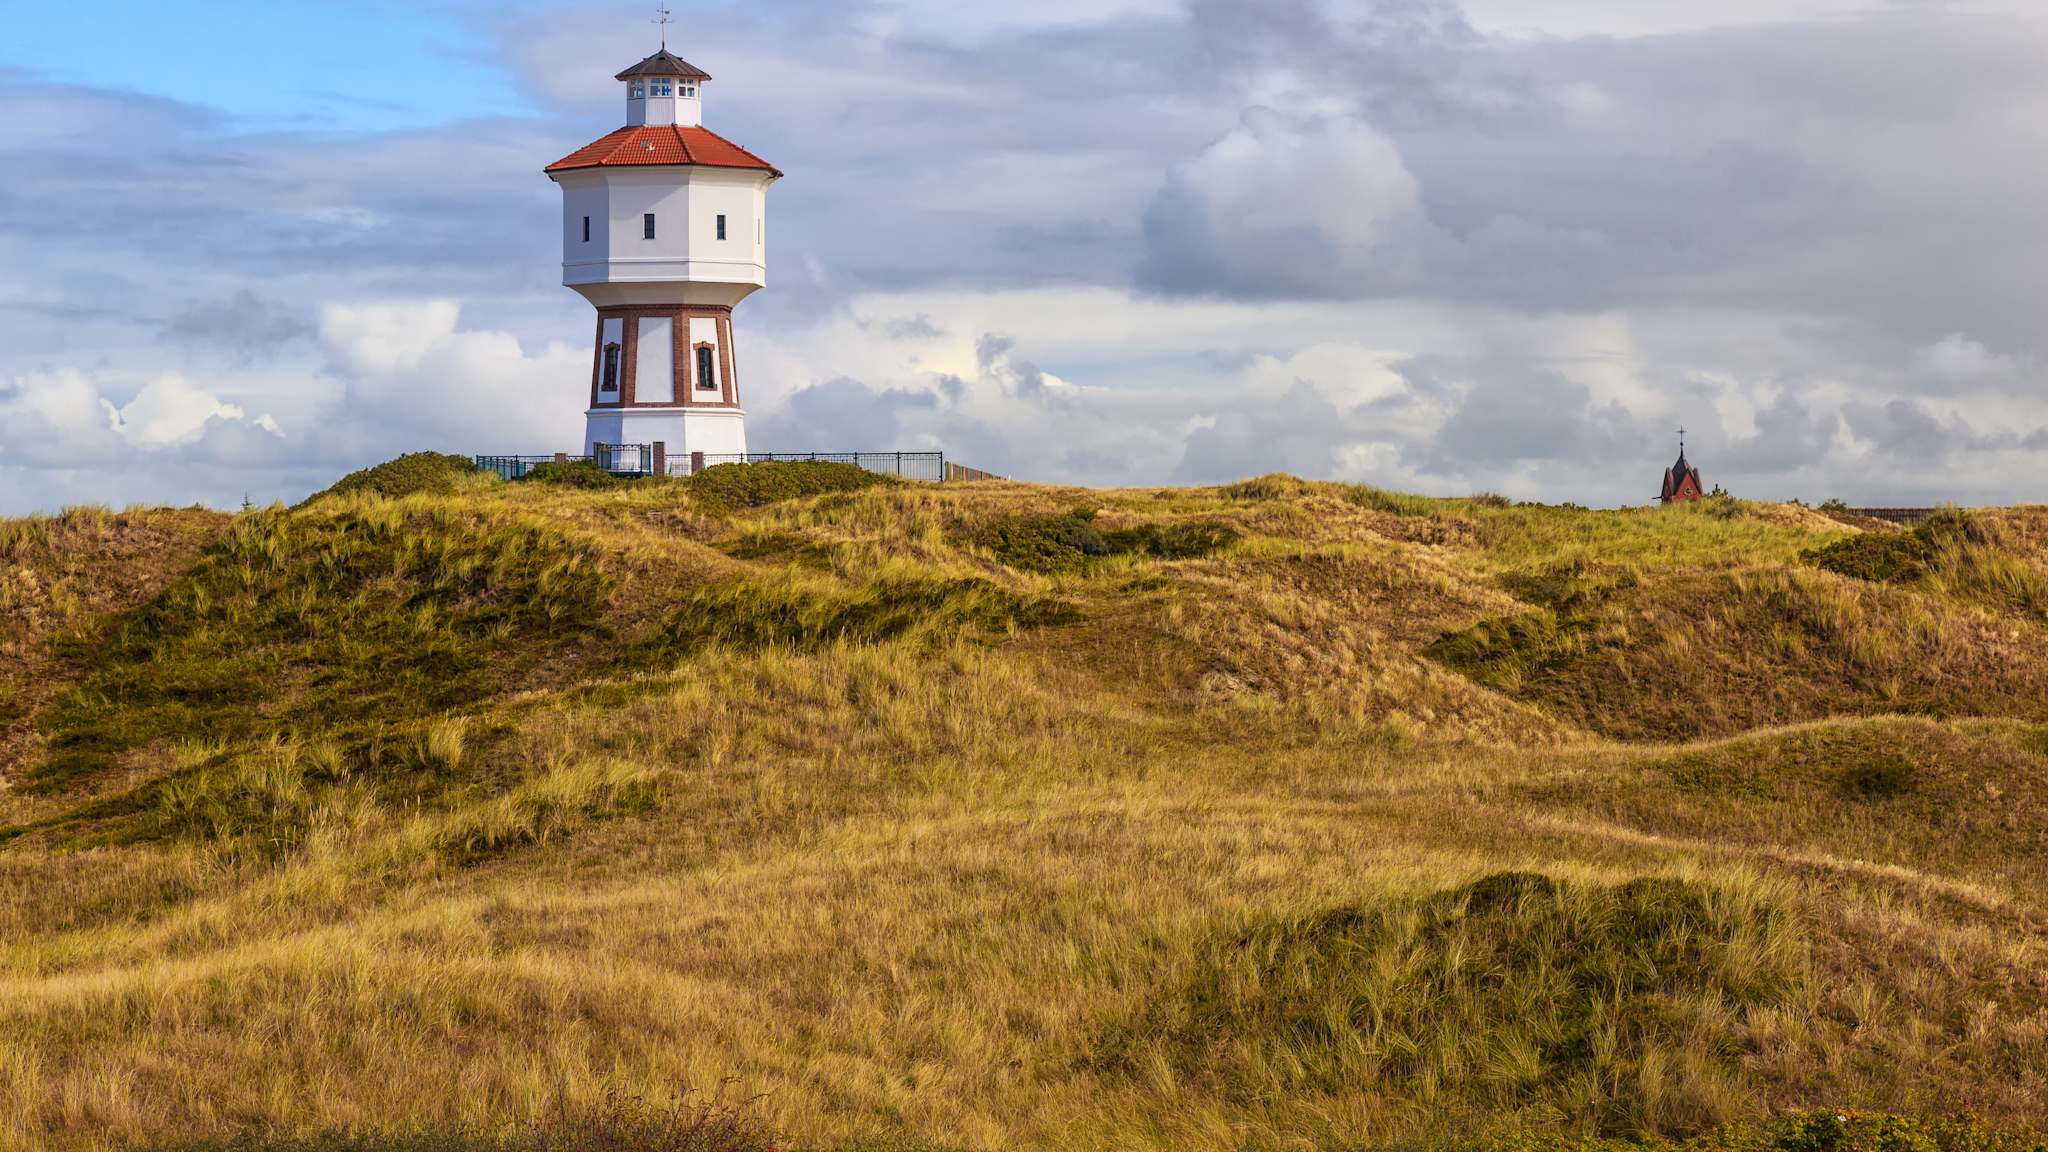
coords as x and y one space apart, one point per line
662 16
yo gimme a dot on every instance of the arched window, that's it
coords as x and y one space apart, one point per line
707 378
611 368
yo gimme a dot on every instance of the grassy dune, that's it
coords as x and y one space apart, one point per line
1276 816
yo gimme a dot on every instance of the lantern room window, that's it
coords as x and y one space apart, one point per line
662 87
689 89
636 91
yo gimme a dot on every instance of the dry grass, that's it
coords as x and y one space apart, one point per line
819 800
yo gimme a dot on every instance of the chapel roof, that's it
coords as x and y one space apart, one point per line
1674 477
651 145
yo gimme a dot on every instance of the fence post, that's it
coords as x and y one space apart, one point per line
661 457
561 457
696 463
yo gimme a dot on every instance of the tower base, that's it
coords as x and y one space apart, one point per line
712 431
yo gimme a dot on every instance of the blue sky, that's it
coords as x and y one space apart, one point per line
1441 245
289 64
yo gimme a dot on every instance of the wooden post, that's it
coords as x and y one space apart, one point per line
661 457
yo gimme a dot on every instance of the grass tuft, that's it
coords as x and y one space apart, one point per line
1621 1010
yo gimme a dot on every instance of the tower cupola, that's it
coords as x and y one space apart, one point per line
664 89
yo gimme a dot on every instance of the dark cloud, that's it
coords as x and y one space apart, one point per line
918 327
245 327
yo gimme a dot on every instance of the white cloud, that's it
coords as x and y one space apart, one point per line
1965 363
169 409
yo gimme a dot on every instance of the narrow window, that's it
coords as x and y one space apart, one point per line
690 90
586 229
705 379
721 227
611 368
636 91
647 226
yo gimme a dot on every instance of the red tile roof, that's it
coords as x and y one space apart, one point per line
667 144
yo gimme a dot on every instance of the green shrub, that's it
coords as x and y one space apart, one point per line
1897 557
408 475
573 474
729 487
1048 544
1187 540
1067 542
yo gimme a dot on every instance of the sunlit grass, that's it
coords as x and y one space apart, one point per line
454 813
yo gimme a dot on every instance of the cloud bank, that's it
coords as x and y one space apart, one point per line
1442 247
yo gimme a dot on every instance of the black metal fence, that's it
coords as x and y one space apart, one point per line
1905 516
617 459
642 460
928 466
516 467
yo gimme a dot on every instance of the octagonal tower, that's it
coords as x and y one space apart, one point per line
664 231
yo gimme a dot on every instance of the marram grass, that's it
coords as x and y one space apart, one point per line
469 815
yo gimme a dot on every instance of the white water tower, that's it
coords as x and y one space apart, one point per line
664 231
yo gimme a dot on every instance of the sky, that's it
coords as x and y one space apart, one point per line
1447 246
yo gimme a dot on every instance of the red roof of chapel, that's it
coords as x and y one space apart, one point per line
658 145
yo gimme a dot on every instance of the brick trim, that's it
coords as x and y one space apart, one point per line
683 360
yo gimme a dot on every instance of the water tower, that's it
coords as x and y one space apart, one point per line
664 231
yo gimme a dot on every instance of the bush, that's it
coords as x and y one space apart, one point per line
1897 557
1184 541
1048 544
727 487
573 474
406 476
1067 542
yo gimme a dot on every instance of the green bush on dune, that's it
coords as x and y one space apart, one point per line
728 487
407 475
